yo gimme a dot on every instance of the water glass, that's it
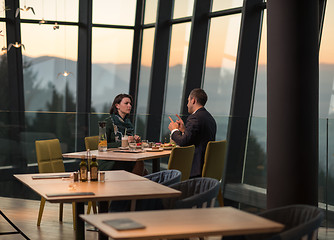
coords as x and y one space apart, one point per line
132 145
144 144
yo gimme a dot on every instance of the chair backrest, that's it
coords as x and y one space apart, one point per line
214 159
301 222
92 142
49 156
181 158
196 192
165 177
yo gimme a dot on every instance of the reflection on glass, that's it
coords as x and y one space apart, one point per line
326 108
220 64
43 60
183 8
256 156
150 11
111 65
218 5
177 67
114 12
144 80
58 10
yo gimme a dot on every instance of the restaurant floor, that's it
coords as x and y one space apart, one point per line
23 213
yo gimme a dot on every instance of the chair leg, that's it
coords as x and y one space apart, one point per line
89 207
61 209
220 199
40 213
73 211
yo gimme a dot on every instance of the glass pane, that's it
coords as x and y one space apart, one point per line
151 7
220 64
326 109
4 93
111 65
256 155
2 9
144 81
176 73
218 5
113 12
183 8
44 60
56 10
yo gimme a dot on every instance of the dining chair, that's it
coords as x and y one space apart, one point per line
195 192
214 163
50 160
301 223
92 143
181 159
164 177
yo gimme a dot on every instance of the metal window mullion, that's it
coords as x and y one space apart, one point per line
84 71
197 49
243 89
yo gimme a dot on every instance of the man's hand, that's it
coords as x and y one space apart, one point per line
172 125
180 123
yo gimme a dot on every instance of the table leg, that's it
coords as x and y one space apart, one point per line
156 165
103 208
80 224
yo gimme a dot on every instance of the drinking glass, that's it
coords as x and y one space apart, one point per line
144 144
132 145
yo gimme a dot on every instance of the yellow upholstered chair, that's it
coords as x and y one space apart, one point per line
91 143
181 158
214 162
50 160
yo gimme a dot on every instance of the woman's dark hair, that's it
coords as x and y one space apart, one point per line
118 99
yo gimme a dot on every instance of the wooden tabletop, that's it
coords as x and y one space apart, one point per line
185 223
119 185
120 156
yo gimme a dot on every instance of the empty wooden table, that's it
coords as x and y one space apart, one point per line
185 223
118 185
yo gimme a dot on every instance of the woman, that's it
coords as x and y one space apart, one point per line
118 124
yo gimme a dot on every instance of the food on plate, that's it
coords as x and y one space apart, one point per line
155 147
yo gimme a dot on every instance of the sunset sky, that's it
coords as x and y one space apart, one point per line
115 45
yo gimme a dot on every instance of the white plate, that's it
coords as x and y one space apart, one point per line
154 150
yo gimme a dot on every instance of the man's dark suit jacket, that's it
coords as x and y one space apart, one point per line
200 129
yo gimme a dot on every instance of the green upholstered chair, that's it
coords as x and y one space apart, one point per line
50 160
181 158
92 142
214 162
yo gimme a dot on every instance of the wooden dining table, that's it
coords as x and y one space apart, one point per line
119 155
184 223
118 185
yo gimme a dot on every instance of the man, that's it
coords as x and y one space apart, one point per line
200 128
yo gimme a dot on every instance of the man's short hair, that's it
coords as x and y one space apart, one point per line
200 95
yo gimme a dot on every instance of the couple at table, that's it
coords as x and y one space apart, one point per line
200 128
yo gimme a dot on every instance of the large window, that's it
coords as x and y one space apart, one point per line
53 10
176 73
220 68
111 63
114 12
45 59
144 81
